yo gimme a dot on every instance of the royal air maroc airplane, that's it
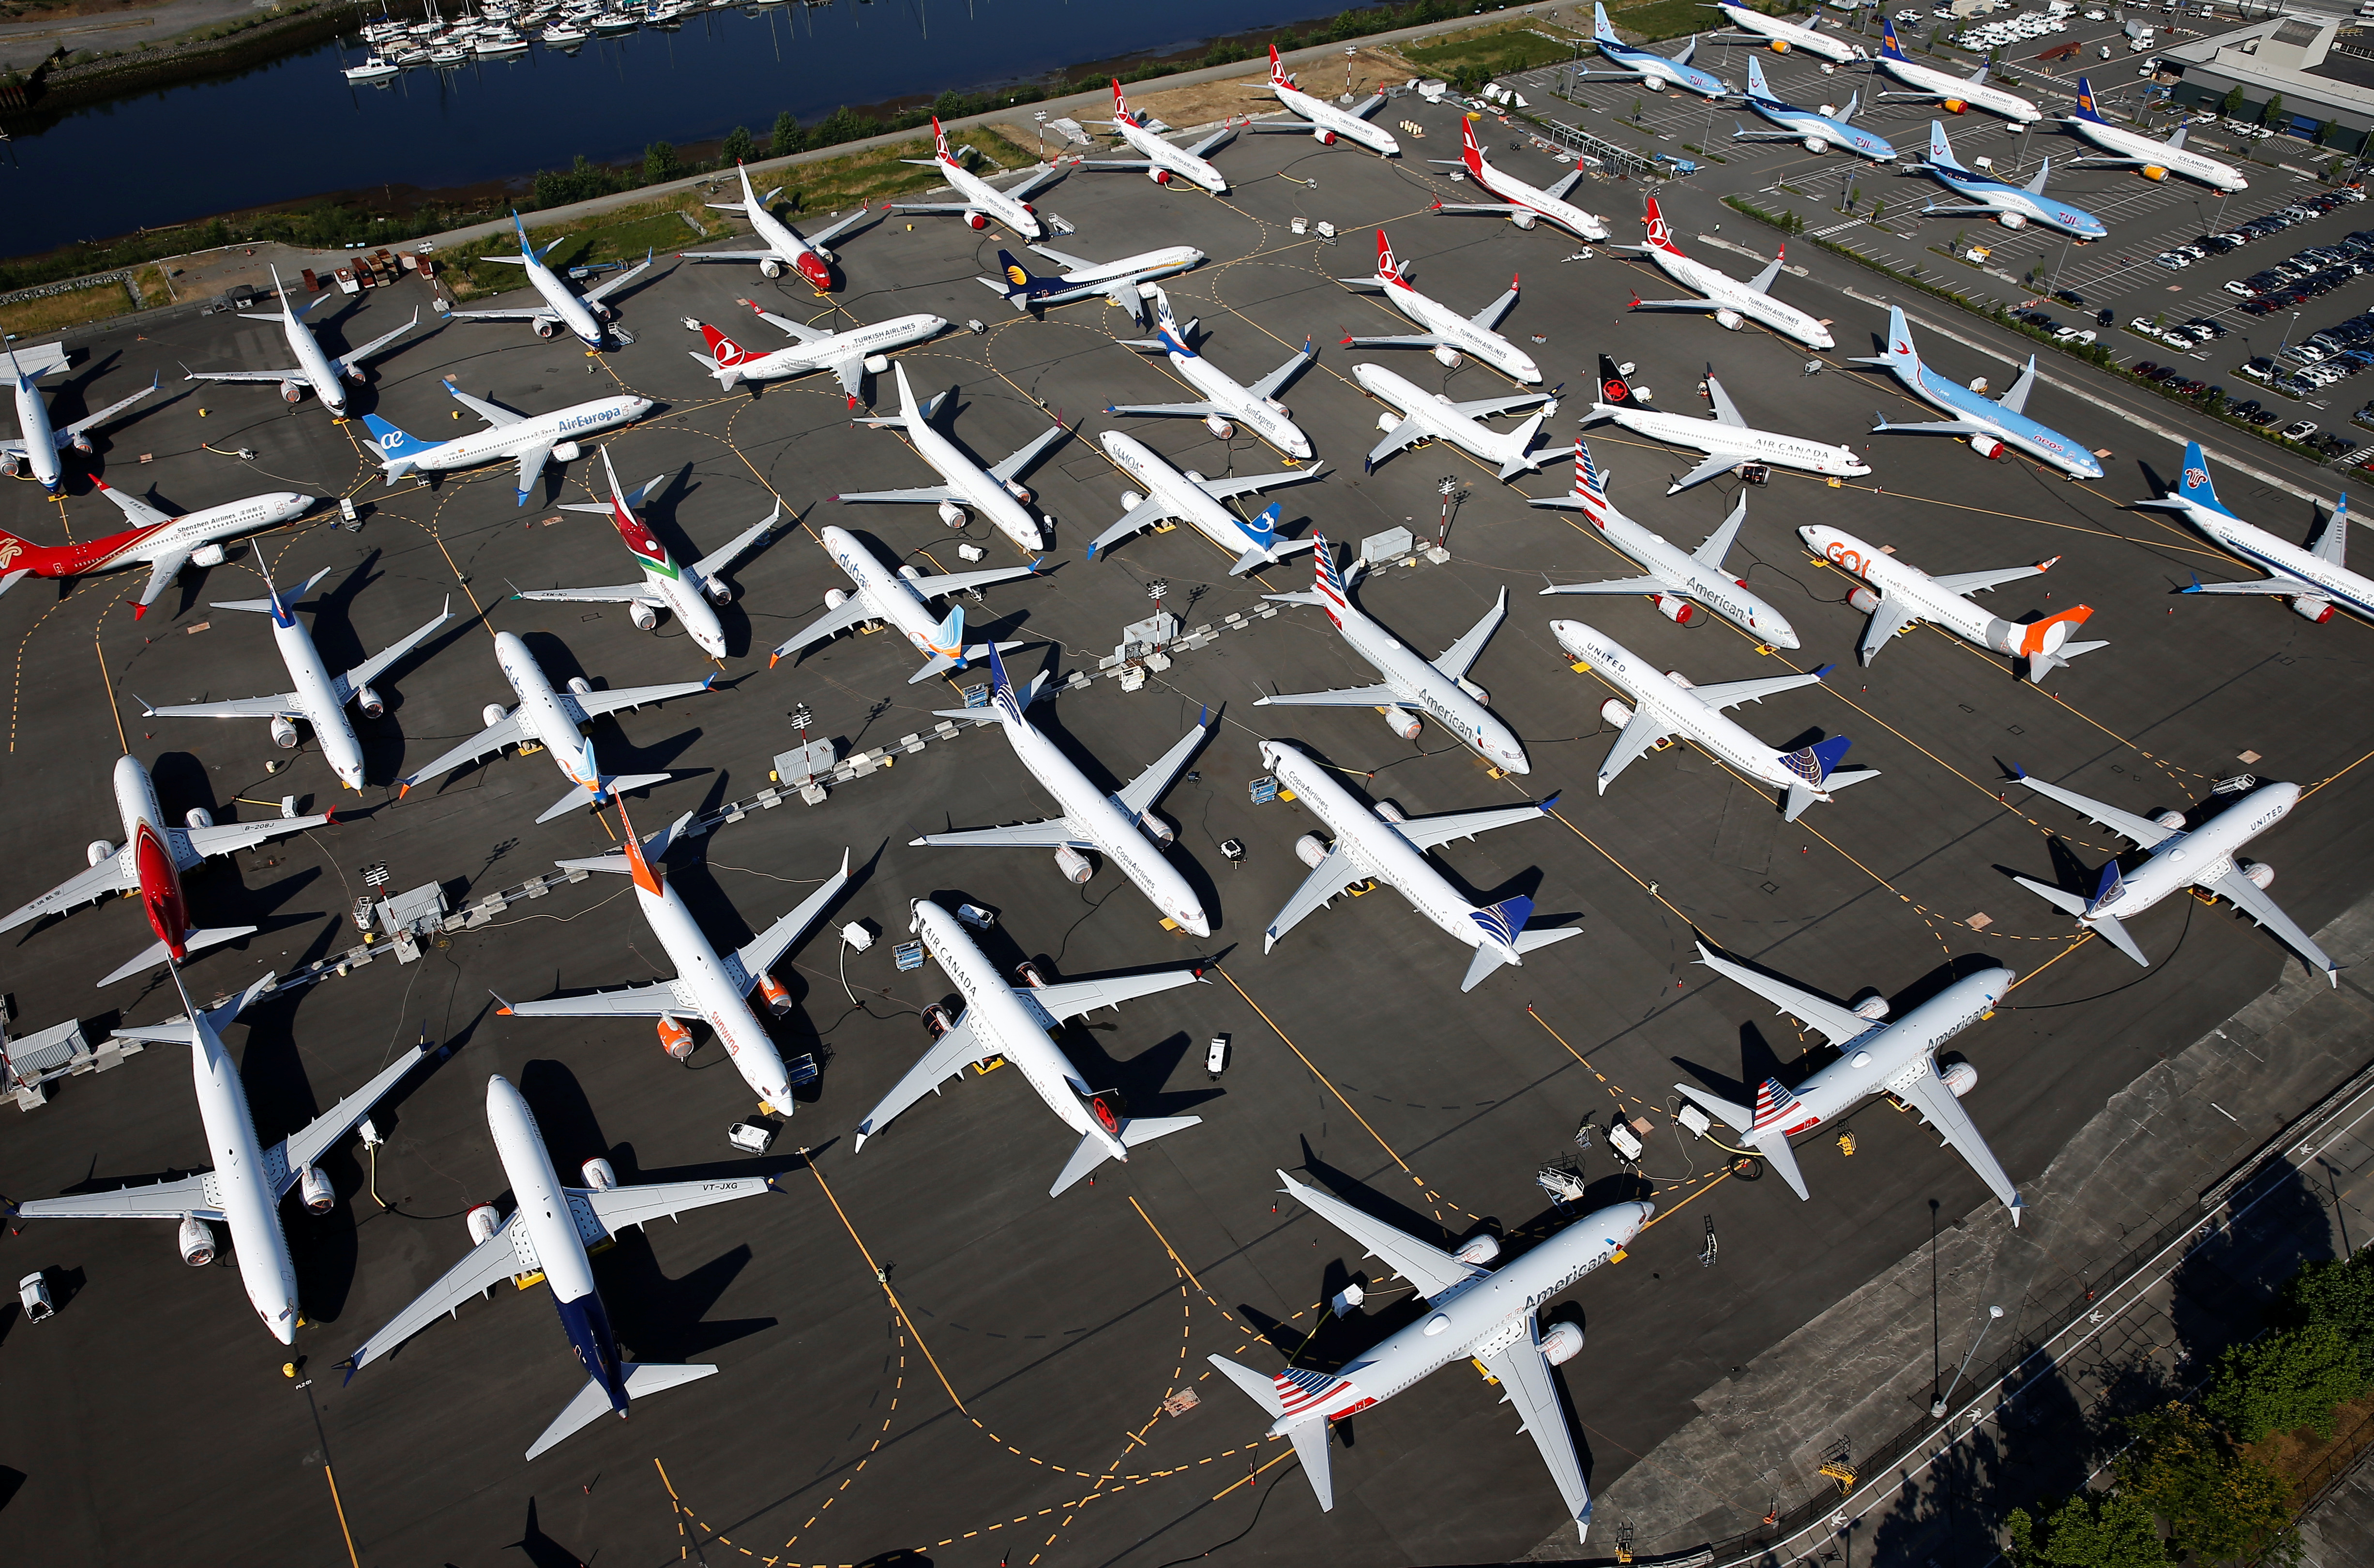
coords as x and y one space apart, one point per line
584 315
984 203
315 367
1725 437
1521 203
530 439
1655 71
35 445
1953 93
2314 579
1449 336
1161 160
1227 402
162 543
1416 415
1730 302
2134 150
2013 207
898 598
994 492
1785 36
1991 424
1901 595
1817 131
849 354
1123 284
1322 120
811 257
1189 498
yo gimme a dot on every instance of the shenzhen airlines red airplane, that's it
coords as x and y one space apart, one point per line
159 541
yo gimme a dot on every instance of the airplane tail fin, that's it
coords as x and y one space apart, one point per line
1020 284
1469 153
1614 390
1166 325
947 640
1901 356
1277 76
1590 487
1327 585
1941 151
727 353
1120 104
1889 47
940 140
592 1401
2085 109
2046 645
157 952
1812 765
2108 885
1660 237
1000 685
1755 83
1520 440
1263 529
1386 268
2196 484
1501 925
398 449
1599 31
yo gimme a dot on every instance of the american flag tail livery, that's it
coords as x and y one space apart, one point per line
1774 1103
1588 488
1299 1389
1329 584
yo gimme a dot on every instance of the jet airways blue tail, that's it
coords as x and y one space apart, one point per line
1022 285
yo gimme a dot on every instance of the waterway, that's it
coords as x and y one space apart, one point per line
296 128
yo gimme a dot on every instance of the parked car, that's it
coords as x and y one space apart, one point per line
33 1296
2299 431
2244 410
2104 317
2070 297
2259 368
2073 334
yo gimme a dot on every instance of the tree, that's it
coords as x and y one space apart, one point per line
2216 1503
660 163
2273 116
2339 1292
2291 1377
2234 104
789 137
1878 211
841 125
2088 1532
740 146
2324 132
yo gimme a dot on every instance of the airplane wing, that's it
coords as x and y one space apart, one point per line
1524 1379
1413 340
2332 545
1274 382
2256 585
850 373
624 593
1408 433
190 375
660 998
93 421
934 209
2126 825
191 845
1828 1019
1492 209
1428 1268
2016 399
1887 618
620 280
741 545
385 659
1073 998
1328 879
157 1200
531 466
1484 407
1720 695
236 708
1137 796
501 1257
921 492
1715 463
754 957
1182 409
137 512
1717 543
1117 163
1929 1096
727 255
948 1056
1935 426
1700 305
620 1206
1632 744
1762 282
1616 585
956 582
1343 697
505 732
2246 895
493 414
1004 473
800 331
1290 126
1979 583
850 225
309 1142
1426 832
1245 484
1975 210
1489 316
1365 107
1724 409
161 572
592 704
114 874
1037 182
1460 655
356 357
525 313
832 623
1048 834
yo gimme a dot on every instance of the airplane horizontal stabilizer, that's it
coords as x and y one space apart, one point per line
2072 903
593 1402
1799 798
1489 956
1774 1146
1145 1129
940 663
2115 933
1093 1151
1527 941
1310 1447
156 952
1262 1391
1738 1117
612 785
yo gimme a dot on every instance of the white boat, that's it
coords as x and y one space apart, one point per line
374 68
500 43
408 58
560 35
447 55
612 23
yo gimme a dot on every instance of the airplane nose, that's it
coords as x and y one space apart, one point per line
283 1329
1516 764
1197 922
1784 637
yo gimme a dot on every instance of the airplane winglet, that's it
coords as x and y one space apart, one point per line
505 1009
1546 805
1825 670
709 682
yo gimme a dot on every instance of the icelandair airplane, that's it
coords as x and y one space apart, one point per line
1730 302
1786 35
1820 131
1655 70
2013 207
1521 203
2314 579
1326 122
1952 93
2132 150
1991 426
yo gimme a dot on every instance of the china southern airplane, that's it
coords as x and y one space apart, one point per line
1655 71
1901 595
1818 131
1322 120
1730 302
2314 579
315 367
1161 160
1725 437
1449 334
2134 150
1953 93
1785 36
2013 207
1520 202
786 247
584 316
1991 426
1227 401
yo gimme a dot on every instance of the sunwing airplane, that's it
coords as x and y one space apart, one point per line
530 439
562 723
900 599
547 1235
984 203
2013 207
1324 121
315 367
1901 595
1678 580
2314 579
1818 131
244 1190
1161 159
2180 858
1392 848
1659 72
994 492
1419 415
1899 1058
1449 334
1191 499
162 543
1954 93
1122 283
150 863
1991 426
1225 399
1786 35
999 1021
583 315
785 246
1521 203
2134 150
1121 825
708 988
848 354
1725 436
320 698
683 590
1481 1313
35 445
1730 302
1670 704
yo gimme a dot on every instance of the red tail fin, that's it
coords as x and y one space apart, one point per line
939 137
1385 267
1120 104
1468 150
22 555
722 349
1277 72
1659 236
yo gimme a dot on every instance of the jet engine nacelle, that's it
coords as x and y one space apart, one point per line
1389 421
1279 408
581 685
720 591
80 442
911 572
566 451
283 734
1018 491
644 615
2172 821
1986 446
675 1039
493 714
545 326
209 556
1960 1077
1874 1007
196 1241
1322 135
370 702
1479 1249
315 1189
358 375
1391 812
1159 176
2012 220
599 1176
1680 680
98 852
1400 721
1027 973
1131 500
1730 320
2260 874
291 390
1472 689
1448 357
936 1021
877 364
1817 146
770 268
1615 713
1161 832
1674 607
952 515
1524 218
1564 1341
775 994
198 816
1076 867
834 598
483 1222
1957 105
1310 849
2309 607
1218 426
2153 172
979 221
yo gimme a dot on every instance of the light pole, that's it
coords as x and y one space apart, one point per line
1155 591
1937 1406
1347 74
1041 117
1451 495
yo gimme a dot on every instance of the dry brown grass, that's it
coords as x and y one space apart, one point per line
57 311
2306 1460
1248 92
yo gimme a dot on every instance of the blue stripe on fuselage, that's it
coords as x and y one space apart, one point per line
2275 568
596 1346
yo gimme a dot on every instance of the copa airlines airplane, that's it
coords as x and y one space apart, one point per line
1189 498
1123 284
1521 203
320 698
999 1021
1671 704
1786 35
150 862
785 246
2314 579
710 988
1449 334
546 1238
1818 131
1162 160
1725 436
1730 302
1954 93
162 543
1439 688
2013 207
583 315
2181 857
2134 150
899 599
36 443
994 492
1656 71
1991 426
1324 121
1420 416
984 203
560 722
685 591
242 1190
530 439
1901 595
1382 844
1120 825
1678 580
315 369
848 354
1875 1057
1225 399
1484 1314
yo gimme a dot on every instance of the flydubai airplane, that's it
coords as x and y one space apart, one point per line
1191 499
982 203
1324 121
1161 160
995 492
1991 424
35 445
1901 595
1227 402
315 367
1449 336
1786 35
811 257
2134 150
1657 71
1730 302
584 315
157 540
848 354
2314 579
530 439
1414 414
1725 436
1123 284
1521 203
1954 94
898 599
1818 131
2013 207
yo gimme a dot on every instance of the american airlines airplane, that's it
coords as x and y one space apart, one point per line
2181 857
812 258
898 599
1953 93
1417 415
1873 1056
530 439
1725 436
157 540
994 492
1818 132
1991 424
1449 336
1189 498
1380 843
848 354
1901 595
984 203
1227 402
1324 121
1161 160
1483 1314
1671 704
2314 579
2134 150
1655 71
2013 207
997 1019
320 698
244 1189
546 1236
1120 825
315 369
584 315
1786 35
35 445
1521 203
1730 302
1678 580
1123 284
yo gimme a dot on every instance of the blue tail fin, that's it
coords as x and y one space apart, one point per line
1263 529
1890 49
2196 484
1941 151
1501 922
1815 763
1000 685
1756 85
2106 889
1019 283
2085 109
948 640
1599 31
393 442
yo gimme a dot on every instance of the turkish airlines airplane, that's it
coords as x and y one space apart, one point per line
35 445
983 203
585 316
1449 336
1161 160
785 246
900 599
1901 596
315 367
995 492
849 354
1521 203
1730 302
1326 122
157 540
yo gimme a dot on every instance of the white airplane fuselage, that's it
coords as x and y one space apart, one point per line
976 486
1266 417
243 1188
888 593
724 1004
2157 154
1091 282
319 372
2200 856
1945 85
1458 333
1328 122
572 312
1892 1054
1923 599
1826 46
547 1214
540 712
39 436
317 699
1498 448
1670 704
1711 585
1169 158
1729 293
827 353
194 531
2352 590
559 429
1712 435
1186 499
988 200
1583 226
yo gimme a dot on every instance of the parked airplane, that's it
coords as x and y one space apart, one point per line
162 543
1191 499
812 258
2013 207
683 590
1951 92
546 1238
1729 301
994 492
1162 160
1449 334
242 1190
1421 415
1678 580
315 367
997 1019
2134 150
584 315
530 439
2314 579
849 354
984 203
1991 426
2201 856
36 443
1670 704
560 722
1227 402
1326 122
1725 436
1122 283
1818 131
1873 1056
1901 595
320 698
150 862
1786 35
1656 71
1480 1313
1520 202
899 598
1380 843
